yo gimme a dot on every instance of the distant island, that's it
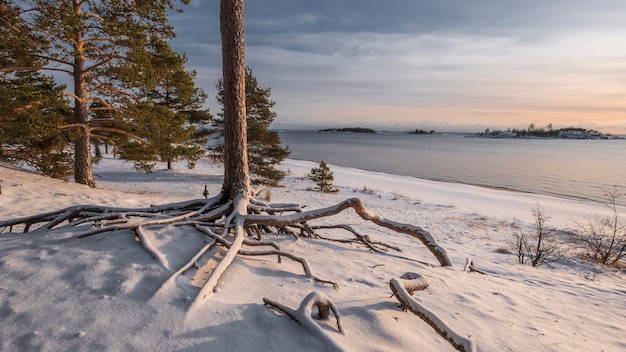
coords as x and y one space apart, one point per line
419 131
531 132
349 130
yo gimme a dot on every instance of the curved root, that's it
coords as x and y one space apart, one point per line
403 288
305 264
303 314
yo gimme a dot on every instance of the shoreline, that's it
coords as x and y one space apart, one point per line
488 187
503 204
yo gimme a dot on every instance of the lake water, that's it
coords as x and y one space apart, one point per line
577 169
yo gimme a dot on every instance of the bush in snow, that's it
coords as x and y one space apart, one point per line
603 239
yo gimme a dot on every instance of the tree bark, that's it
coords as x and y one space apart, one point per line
83 171
236 173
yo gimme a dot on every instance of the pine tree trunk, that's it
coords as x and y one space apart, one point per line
236 173
83 172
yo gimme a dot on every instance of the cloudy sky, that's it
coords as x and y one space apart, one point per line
448 65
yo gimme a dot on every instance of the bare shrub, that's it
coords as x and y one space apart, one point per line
603 239
520 246
539 246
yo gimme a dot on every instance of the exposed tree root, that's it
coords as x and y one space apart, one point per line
232 225
303 315
305 264
365 240
192 262
414 231
52 219
470 268
404 287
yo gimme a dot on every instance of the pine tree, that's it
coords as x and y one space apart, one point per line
171 117
323 177
264 147
101 45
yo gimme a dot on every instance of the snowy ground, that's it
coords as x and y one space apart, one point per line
60 293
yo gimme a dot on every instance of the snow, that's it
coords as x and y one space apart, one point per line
107 293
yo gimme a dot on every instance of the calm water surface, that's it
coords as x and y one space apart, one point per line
578 169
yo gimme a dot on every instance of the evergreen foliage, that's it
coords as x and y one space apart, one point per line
115 52
264 147
31 110
170 118
323 177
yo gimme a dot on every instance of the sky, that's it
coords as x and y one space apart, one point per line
448 65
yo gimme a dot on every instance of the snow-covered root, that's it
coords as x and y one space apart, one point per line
55 218
414 231
470 268
303 315
236 217
272 209
192 262
132 224
403 288
365 240
308 271
148 247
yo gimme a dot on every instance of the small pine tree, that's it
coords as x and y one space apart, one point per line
323 177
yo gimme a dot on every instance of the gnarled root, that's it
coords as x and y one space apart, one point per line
403 288
303 314
414 231
364 239
53 219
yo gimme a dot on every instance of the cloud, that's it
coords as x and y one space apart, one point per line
419 62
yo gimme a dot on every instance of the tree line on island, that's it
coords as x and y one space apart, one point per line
369 130
548 132
349 130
